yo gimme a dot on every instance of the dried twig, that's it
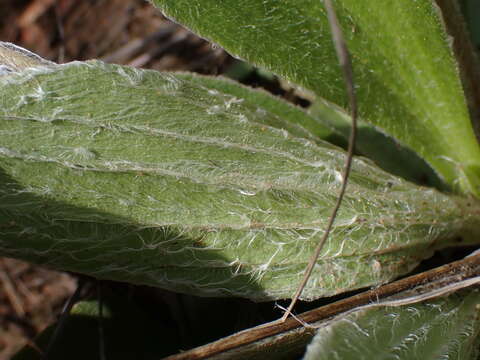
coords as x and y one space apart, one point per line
63 318
11 293
61 34
101 333
33 11
292 335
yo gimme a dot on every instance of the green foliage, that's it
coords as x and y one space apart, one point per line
406 74
202 186
170 183
444 328
329 123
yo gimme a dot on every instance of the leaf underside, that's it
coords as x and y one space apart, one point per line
151 178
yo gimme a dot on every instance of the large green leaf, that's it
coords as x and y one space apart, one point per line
154 179
329 123
446 328
407 77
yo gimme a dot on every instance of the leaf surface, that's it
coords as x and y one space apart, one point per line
329 123
151 178
444 328
407 77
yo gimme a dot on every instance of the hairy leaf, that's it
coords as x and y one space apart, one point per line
154 179
327 122
446 328
407 75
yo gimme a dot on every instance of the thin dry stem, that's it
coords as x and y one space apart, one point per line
346 66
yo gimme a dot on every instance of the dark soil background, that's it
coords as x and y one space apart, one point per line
132 33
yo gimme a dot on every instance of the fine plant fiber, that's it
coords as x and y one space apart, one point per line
346 65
